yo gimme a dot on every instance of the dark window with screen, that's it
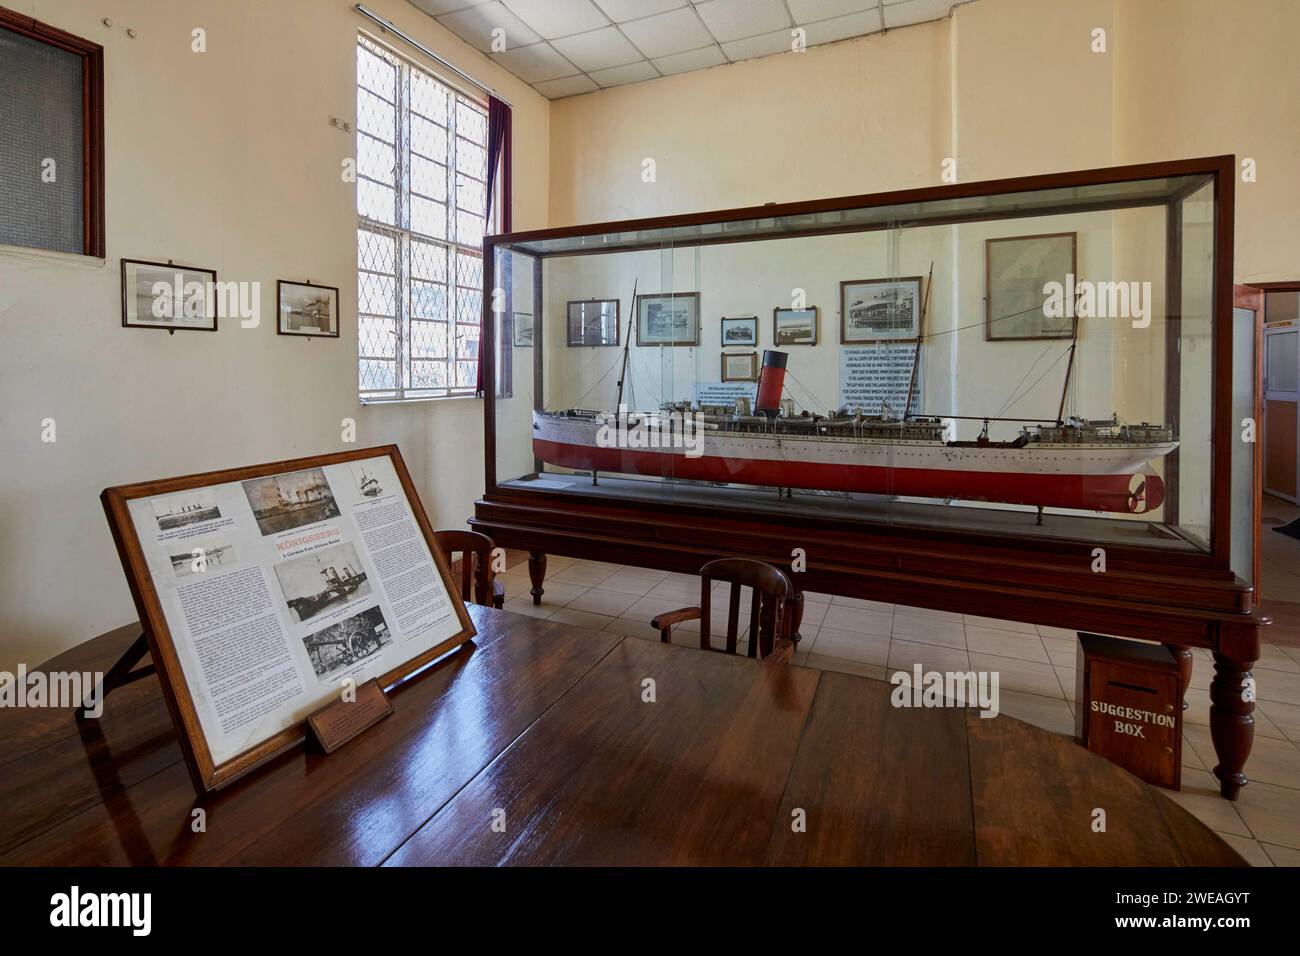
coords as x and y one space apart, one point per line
51 151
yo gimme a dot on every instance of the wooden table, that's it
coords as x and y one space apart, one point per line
549 730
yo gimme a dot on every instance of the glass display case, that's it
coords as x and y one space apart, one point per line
1032 358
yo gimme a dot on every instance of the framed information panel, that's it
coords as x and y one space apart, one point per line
262 590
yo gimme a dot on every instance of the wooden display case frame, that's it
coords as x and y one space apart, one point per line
1182 599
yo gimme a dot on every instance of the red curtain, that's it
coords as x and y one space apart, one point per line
498 161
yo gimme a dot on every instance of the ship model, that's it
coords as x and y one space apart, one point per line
1068 462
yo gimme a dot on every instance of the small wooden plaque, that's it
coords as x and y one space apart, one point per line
337 723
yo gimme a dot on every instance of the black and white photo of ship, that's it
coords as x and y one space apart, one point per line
212 554
322 579
283 502
189 507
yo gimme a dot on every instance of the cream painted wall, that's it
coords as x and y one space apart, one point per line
225 160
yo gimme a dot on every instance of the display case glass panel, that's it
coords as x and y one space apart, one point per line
1032 362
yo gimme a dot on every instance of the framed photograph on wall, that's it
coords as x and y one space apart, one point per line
794 326
742 367
1015 271
879 310
593 322
523 330
668 319
740 331
164 295
261 589
307 309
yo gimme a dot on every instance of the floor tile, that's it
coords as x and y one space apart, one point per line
630 627
678 592
1200 797
1061 653
631 581
1282 855
1068 679
1271 760
1272 813
929 630
555 593
589 575
874 671
1250 851
1286 717
851 646
598 601
569 615
926 612
998 624
862 603
858 620
1020 645
1271 658
1049 713
525 605
1024 676
1278 685
1191 758
905 655
1060 633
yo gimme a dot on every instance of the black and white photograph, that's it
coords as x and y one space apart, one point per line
348 642
794 326
742 330
191 557
523 330
368 483
284 502
185 508
875 310
668 319
593 322
307 309
321 580
162 295
1018 268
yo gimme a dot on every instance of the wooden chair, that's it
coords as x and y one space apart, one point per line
475 551
772 613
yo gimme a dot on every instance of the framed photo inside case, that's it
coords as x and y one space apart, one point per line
262 589
794 326
740 367
164 295
740 331
593 322
668 319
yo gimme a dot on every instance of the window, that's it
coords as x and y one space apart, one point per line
52 149
421 202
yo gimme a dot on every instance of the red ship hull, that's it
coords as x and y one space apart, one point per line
1124 493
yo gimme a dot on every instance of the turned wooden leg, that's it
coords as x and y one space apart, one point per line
796 617
1183 655
537 574
1232 721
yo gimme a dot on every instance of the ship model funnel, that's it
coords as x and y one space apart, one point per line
771 383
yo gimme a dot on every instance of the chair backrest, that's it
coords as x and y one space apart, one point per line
475 550
769 620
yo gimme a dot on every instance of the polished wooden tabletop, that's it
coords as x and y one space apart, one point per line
542 743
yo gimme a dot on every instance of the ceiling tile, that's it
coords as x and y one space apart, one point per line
569 86
477 23
552 19
841 28
735 19
810 11
597 50
619 75
694 60
778 42
668 33
535 63
622 10
435 7
907 12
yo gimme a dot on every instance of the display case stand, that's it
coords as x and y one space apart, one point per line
121 674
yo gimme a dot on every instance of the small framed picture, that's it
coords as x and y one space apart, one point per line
164 295
593 322
1016 270
523 334
740 331
668 319
794 326
307 309
740 367
879 310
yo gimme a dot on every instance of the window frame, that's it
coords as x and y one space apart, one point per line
92 121
405 236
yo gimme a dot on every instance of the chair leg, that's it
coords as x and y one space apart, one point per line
498 601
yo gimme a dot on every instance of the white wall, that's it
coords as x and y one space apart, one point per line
225 160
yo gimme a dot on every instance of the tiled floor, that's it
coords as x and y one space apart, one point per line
1036 667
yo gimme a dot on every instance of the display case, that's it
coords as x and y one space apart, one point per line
1016 398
